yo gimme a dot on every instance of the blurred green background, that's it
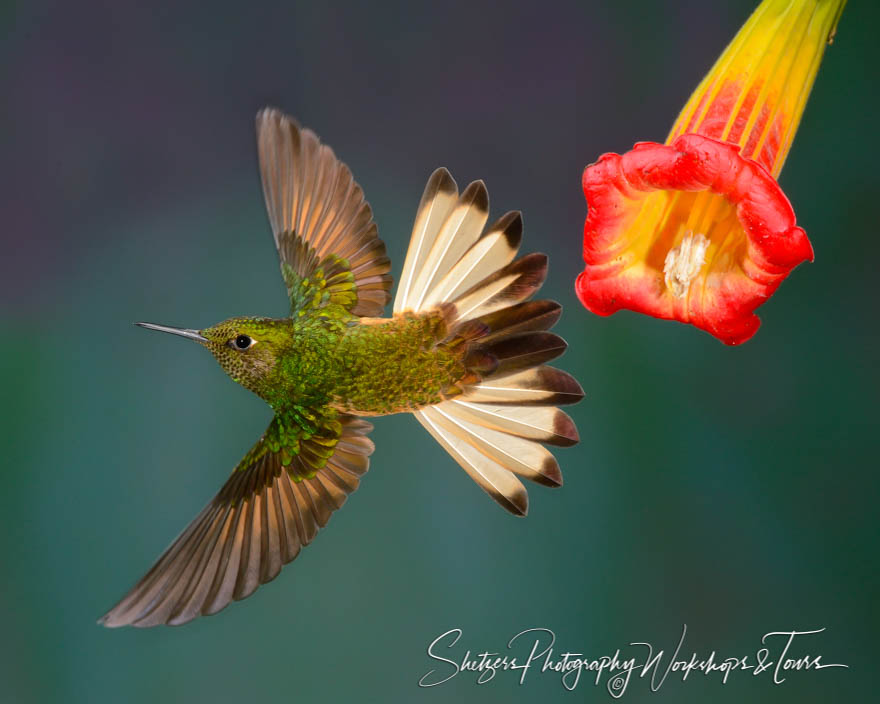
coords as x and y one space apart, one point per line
731 489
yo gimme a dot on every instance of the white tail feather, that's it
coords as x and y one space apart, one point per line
438 200
524 457
497 481
491 252
542 423
461 229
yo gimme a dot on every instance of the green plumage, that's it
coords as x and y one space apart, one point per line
324 361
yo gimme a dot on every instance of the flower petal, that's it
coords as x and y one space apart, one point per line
634 223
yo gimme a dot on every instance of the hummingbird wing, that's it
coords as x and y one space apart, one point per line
323 227
272 505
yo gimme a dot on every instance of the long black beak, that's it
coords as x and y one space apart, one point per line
183 332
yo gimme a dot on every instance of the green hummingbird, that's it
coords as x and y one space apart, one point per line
465 352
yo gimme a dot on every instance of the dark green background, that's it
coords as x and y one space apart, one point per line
731 489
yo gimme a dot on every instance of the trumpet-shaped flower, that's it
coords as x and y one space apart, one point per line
698 229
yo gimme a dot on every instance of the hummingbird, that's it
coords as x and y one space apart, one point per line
465 351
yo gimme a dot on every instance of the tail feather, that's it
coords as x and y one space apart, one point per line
545 424
509 285
440 197
494 250
495 480
506 409
528 459
459 231
528 316
542 386
523 351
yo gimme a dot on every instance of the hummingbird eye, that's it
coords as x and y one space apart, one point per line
242 342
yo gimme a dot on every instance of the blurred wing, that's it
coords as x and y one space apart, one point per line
261 518
323 227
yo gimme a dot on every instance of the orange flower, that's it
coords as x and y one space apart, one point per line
697 229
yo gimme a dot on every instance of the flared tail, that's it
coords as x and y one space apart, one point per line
497 427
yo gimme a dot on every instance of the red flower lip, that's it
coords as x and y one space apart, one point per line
775 244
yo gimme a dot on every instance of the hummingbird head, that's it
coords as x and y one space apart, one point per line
246 348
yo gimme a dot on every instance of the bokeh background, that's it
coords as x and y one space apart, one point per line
730 489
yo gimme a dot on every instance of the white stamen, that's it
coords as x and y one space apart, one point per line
683 263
